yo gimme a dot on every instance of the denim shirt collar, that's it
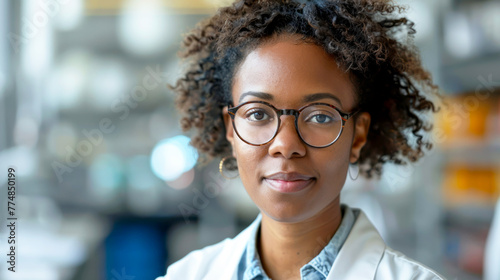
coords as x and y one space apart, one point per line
318 268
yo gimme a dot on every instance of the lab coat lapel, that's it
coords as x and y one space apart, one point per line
358 259
361 253
226 264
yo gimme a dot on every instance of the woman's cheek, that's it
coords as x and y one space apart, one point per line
248 161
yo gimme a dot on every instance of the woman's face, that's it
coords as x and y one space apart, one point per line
289 71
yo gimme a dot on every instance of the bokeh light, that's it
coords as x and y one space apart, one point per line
68 80
182 181
145 28
108 82
70 14
172 157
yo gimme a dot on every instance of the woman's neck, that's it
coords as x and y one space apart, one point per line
285 247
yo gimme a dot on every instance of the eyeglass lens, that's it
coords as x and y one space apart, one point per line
318 125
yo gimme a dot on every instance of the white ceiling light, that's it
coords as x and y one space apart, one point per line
145 27
458 37
68 14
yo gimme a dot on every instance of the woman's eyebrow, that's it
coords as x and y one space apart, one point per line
317 96
262 95
307 99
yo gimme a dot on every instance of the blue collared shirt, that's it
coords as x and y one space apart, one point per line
250 267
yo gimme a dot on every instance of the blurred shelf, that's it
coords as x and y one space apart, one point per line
472 215
110 7
490 145
492 56
472 153
470 74
459 2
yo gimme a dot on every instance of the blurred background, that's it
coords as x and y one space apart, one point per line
106 183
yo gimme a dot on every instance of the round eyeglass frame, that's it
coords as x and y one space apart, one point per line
280 112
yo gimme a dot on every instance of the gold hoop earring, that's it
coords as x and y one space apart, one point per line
349 171
221 165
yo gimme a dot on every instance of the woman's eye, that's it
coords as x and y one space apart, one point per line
320 118
257 115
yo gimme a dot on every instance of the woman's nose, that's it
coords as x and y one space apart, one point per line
287 141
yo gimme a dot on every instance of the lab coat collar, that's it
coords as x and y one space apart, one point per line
232 252
361 254
358 258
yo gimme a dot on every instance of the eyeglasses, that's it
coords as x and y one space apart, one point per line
319 125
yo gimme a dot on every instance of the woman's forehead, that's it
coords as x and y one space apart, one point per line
289 70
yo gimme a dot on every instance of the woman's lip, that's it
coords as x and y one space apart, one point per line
288 186
288 176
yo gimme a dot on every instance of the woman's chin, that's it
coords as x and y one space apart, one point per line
287 214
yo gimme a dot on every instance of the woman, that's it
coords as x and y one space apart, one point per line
293 93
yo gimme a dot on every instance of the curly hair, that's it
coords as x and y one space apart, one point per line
364 38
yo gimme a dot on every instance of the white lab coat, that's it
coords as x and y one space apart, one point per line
364 255
492 248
